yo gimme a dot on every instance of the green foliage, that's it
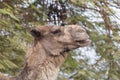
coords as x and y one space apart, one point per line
11 35
8 12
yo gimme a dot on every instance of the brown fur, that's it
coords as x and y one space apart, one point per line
50 49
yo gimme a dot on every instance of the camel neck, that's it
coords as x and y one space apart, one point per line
40 65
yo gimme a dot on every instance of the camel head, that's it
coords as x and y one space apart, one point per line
59 39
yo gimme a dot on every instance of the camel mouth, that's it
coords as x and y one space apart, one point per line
84 42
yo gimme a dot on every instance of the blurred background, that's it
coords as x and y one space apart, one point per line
101 19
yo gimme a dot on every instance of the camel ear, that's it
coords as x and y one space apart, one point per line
35 33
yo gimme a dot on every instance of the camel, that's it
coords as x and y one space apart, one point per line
49 49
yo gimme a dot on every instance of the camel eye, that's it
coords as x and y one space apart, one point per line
56 32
